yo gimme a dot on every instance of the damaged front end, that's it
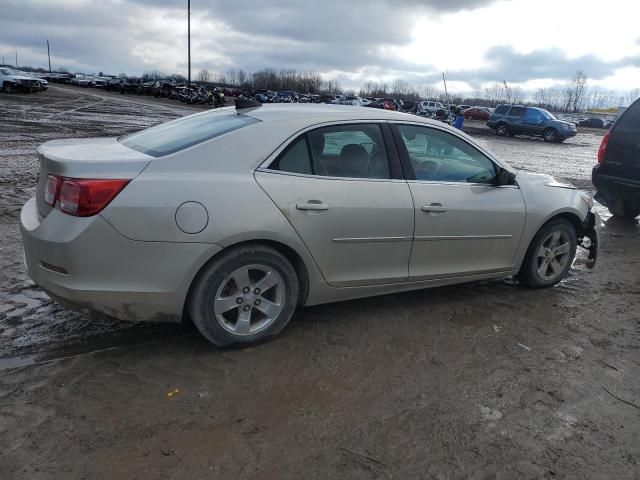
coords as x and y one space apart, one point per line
589 237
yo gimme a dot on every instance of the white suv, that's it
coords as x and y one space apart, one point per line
430 108
13 80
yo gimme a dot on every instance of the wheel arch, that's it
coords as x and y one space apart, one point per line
289 253
571 216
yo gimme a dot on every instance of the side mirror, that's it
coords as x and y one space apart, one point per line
505 177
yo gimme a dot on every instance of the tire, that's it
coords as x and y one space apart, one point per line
9 87
502 130
550 135
620 208
554 246
215 290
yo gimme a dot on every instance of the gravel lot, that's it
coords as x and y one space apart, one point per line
481 381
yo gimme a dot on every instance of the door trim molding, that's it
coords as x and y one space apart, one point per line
460 237
372 239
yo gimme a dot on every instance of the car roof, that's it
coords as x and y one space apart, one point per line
317 113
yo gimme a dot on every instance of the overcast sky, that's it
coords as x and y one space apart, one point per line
476 42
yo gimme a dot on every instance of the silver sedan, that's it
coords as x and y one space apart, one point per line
236 217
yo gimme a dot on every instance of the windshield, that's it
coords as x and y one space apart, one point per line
547 115
185 132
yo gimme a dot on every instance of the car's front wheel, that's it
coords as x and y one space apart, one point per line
244 296
550 255
550 135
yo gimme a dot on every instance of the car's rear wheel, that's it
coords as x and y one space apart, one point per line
245 296
502 130
620 208
550 135
550 255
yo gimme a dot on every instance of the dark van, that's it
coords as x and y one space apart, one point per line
617 174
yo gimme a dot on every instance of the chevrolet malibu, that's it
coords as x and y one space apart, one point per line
236 217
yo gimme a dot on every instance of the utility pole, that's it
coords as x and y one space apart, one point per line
189 42
49 55
446 95
16 58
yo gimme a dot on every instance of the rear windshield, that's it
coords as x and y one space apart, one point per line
185 132
630 119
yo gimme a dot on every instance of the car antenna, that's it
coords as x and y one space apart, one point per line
246 104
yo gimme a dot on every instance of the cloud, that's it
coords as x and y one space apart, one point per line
355 40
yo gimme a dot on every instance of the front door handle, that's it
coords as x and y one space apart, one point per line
312 205
434 208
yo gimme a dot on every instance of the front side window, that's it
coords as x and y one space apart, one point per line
502 109
348 151
185 132
533 116
517 111
439 156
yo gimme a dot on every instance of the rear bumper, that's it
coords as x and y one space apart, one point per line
568 134
611 187
101 270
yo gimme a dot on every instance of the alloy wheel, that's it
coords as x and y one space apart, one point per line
249 299
553 255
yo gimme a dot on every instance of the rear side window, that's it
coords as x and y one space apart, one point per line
630 119
295 159
347 151
185 132
502 109
517 111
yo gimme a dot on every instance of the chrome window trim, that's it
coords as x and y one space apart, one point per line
324 177
461 184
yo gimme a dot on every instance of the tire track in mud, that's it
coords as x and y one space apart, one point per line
29 320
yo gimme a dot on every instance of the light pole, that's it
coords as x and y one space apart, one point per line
49 55
189 43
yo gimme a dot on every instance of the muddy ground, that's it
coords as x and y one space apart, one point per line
482 381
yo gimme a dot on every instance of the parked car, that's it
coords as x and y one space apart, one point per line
114 84
476 113
509 120
130 85
461 108
351 100
410 106
15 81
172 220
44 85
617 176
592 122
429 108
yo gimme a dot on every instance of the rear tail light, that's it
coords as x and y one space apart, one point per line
603 147
82 197
51 189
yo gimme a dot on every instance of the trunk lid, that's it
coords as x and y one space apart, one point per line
97 158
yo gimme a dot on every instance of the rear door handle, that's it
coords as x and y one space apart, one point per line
434 208
312 205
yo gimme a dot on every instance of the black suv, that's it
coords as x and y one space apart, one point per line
617 174
518 120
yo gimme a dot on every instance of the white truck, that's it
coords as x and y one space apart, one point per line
429 108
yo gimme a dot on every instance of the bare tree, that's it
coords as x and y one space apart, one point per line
204 76
579 84
630 97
